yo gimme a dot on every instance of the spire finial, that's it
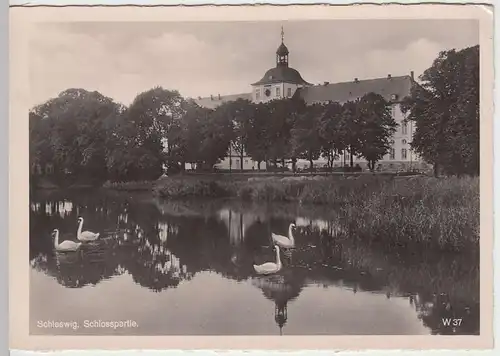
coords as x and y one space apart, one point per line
282 34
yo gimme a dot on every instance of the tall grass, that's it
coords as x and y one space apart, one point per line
424 212
189 187
397 212
129 186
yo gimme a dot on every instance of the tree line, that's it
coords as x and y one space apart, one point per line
91 137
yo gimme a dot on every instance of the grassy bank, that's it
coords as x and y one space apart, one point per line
129 186
398 212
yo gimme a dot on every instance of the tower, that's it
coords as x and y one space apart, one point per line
279 82
282 52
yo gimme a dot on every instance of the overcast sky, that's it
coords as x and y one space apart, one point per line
122 59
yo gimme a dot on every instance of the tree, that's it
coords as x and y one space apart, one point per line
205 135
445 109
377 126
332 141
155 115
282 116
217 132
257 133
349 129
71 133
306 141
239 114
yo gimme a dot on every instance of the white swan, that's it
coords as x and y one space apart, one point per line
64 246
269 267
283 241
85 235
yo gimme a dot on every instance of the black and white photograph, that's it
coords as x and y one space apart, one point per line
260 177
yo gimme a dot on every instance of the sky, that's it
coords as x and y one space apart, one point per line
123 59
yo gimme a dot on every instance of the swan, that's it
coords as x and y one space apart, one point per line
85 235
283 241
65 245
270 267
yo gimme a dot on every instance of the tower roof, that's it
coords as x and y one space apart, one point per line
282 74
282 50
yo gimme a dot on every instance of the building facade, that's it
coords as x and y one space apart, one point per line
282 81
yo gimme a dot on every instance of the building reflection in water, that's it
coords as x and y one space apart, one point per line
140 249
237 224
63 208
165 229
281 290
330 227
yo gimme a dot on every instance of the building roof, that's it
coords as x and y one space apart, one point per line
343 92
215 100
282 74
340 92
282 50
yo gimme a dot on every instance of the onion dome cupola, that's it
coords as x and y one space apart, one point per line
282 52
282 73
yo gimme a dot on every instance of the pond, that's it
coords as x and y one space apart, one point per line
186 268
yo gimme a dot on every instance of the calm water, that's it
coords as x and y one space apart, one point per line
186 268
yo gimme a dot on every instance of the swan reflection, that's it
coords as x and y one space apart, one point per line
166 249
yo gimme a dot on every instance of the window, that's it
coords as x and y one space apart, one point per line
289 92
237 162
278 91
404 127
393 111
392 153
403 153
403 141
246 161
257 94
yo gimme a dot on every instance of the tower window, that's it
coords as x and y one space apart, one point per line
289 93
278 91
257 94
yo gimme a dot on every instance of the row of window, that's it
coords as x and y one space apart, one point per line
404 153
404 124
277 91
403 141
236 162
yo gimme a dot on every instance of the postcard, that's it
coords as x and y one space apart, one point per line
251 177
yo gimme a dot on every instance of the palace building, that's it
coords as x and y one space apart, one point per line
283 81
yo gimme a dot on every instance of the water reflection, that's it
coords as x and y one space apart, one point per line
162 245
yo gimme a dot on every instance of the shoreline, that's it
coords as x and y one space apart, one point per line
47 184
397 212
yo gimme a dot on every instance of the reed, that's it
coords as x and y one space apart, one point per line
395 211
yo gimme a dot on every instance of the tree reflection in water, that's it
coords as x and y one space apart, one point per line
163 244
